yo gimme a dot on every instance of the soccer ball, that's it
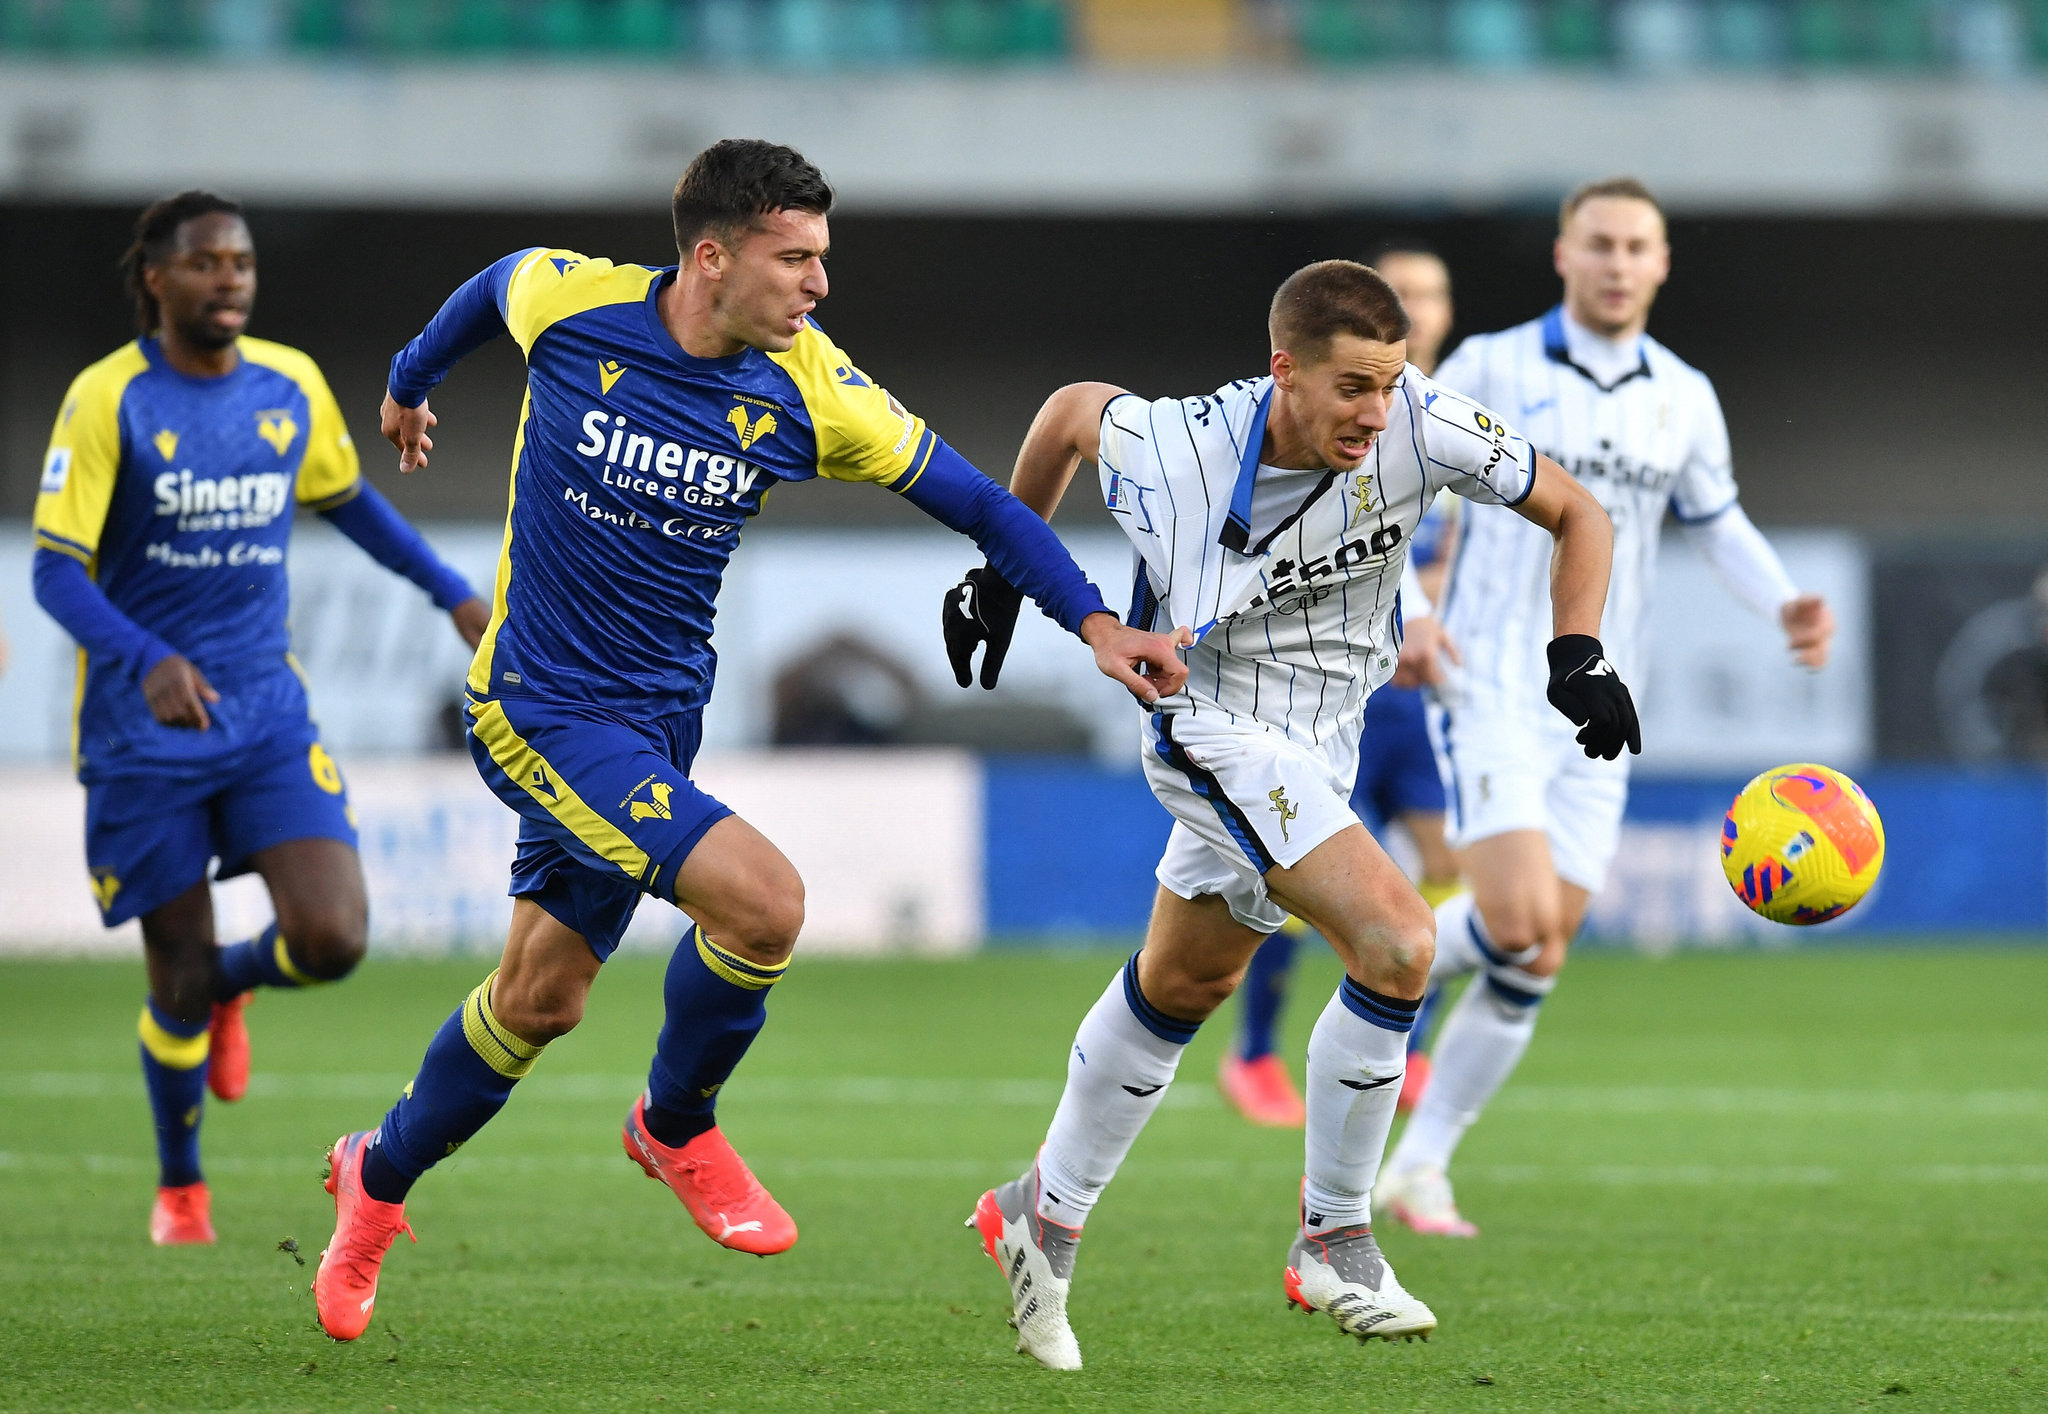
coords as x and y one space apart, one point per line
1801 844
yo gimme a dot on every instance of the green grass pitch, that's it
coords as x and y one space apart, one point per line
1721 1181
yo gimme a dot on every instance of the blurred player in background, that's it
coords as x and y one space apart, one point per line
161 527
662 404
1537 823
1275 514
1397 774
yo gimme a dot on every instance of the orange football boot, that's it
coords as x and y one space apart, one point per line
345 1287
1413 1082
183 1216
1262 1091
227 1069
715 1184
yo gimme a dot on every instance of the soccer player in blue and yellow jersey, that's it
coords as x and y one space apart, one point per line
662 404
166 506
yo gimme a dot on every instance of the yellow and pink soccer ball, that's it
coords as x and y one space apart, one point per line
1801 844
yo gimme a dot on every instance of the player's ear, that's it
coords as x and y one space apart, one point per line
709 258
1284 368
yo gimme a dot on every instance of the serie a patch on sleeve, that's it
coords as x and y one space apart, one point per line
56 469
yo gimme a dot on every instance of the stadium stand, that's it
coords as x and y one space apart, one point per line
1913 36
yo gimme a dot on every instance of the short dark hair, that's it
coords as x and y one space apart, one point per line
156 236
733 183
1606 186
1331 297
1400 245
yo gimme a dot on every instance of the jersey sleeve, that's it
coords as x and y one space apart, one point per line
863 433
1467 449
548 286
82 463
1706 483
331 472
1125 458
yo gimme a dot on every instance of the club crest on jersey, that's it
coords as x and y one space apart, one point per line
104 887
609 372
1282 807
166 444
1361 489
276 427
655 807
751 430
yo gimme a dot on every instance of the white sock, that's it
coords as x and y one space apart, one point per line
1481 1044
1123 1059
1356 1056
1457 950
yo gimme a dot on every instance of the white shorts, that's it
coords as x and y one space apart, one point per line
1521 770
1244 799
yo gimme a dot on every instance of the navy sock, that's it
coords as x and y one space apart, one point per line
470 1068
262 961
717 1003
1418 1039
174 1072
1264 989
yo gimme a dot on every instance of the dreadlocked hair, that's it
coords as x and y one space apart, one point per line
156 233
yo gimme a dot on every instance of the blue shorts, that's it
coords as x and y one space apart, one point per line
1397 772
607 811
148 837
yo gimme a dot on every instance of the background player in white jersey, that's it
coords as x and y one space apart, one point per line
1536 821
1397 777
1274 515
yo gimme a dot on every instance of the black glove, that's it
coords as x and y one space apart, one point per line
1585 687
981 608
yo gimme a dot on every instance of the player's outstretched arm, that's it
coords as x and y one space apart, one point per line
1023 551
1750 569
1583 684
982 607
473 316
392 541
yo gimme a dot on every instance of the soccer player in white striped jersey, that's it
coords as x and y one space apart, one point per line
1537 822
1274 516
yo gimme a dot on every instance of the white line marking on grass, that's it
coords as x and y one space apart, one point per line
826 1166
898 1090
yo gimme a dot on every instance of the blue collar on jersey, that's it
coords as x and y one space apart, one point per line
1558 351
1237 527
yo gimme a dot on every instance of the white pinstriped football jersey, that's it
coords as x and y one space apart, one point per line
1641 428
1289 579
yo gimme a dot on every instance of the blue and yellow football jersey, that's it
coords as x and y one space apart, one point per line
635 467
177 495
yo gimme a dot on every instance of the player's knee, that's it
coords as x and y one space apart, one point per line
1411 948
329 946
1191 995
763 928
183 992
537 1014
1518 925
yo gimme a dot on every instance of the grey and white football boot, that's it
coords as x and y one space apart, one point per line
1341 1272
1037 1259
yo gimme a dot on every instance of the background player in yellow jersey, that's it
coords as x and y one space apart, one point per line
161 527
661 405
